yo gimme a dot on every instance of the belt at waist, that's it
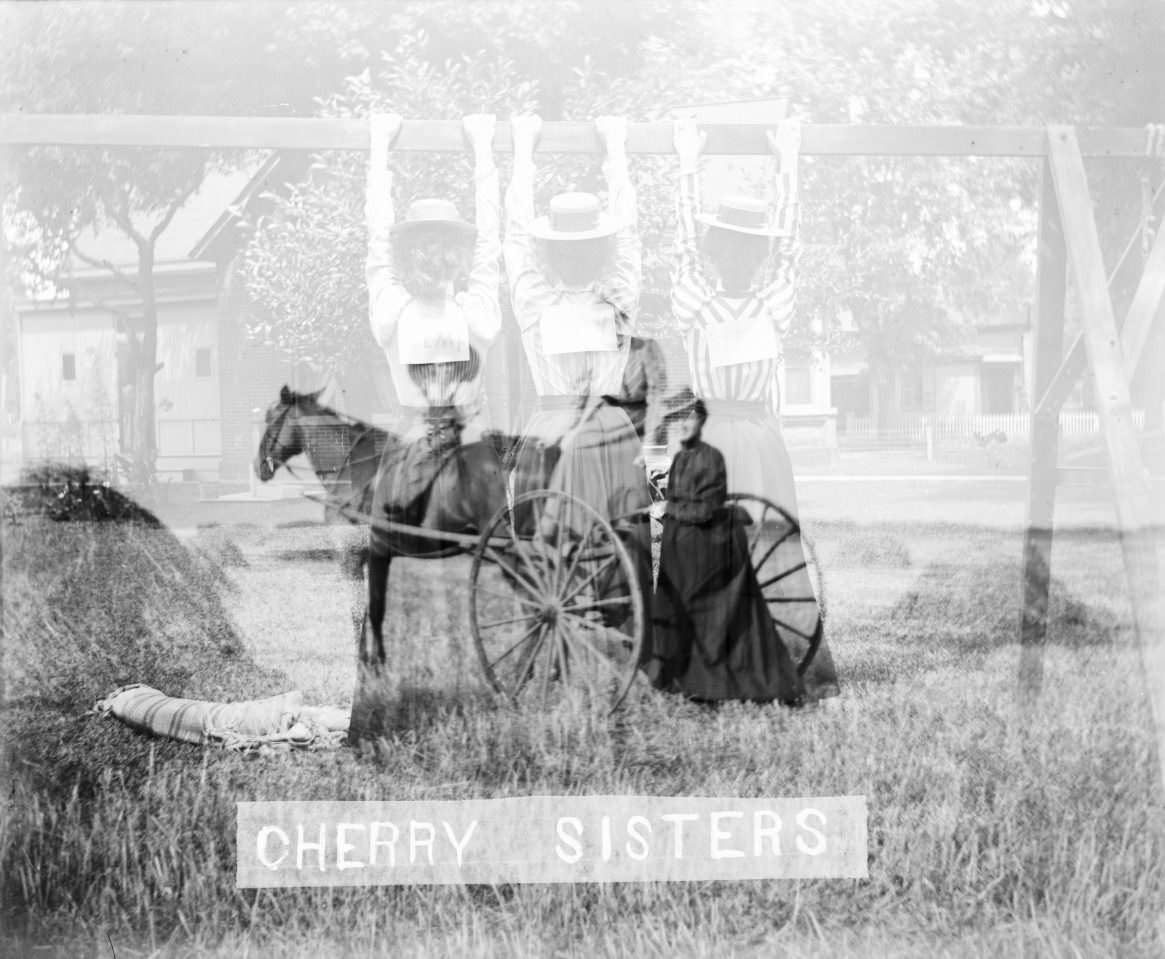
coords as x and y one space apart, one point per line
562 402
737 407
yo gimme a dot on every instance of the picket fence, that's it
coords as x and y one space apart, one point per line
1009 427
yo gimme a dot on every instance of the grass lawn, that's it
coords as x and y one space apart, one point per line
996 827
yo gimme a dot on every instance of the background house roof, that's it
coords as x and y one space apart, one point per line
219 192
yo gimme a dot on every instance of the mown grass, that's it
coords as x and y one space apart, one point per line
995 828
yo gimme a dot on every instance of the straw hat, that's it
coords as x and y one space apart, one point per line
742 214
432 211
574 216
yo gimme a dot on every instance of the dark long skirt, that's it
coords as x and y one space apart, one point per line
750 438
713 637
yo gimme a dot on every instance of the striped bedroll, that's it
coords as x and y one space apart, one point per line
199 721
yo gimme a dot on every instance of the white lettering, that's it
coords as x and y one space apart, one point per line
317 847
460 846
718 852
343 846
261 845
374 840
635 827
760 830
575 852
675 818
414 842
818 847
605 837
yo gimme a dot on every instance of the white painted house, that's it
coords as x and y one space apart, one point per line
71 403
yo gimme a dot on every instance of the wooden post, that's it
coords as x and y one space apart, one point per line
1130 480
558 136
1051 288
1134 334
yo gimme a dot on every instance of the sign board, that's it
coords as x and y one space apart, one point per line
549 839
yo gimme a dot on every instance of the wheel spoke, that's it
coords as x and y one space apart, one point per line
789 572
769 552
510 595
760 528
574 560
583 646
582 608
590 647
562 657
521 551
527 666
792 629
543 550
601 631
590 579
525 639
493 624
501 560
546 672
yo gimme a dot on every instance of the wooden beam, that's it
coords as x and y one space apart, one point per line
1051 290
1130 481
1143 313
318 133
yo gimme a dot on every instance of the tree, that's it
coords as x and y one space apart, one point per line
303 266
224 58
913 249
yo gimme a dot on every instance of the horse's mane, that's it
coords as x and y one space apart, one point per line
310 403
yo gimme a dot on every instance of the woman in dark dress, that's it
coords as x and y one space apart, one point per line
713 637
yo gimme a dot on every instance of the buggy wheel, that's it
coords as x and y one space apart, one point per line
788 574
560 614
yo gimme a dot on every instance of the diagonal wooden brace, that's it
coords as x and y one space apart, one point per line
1130 480
1148 307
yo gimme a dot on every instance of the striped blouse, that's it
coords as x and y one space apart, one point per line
697 305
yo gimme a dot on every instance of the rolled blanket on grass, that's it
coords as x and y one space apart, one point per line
278 722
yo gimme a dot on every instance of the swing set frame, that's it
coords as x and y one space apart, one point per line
1068 243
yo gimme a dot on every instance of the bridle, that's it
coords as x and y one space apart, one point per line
276 428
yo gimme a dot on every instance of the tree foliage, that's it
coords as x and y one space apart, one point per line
205 58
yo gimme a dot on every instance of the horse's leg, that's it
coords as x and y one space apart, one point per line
372 702
379 561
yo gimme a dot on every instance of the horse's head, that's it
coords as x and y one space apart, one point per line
282 435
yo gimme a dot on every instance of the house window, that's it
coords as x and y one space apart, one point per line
911 394
798 386
202 361
68 366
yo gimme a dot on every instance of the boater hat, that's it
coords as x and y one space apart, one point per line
432 211
574 216
743 214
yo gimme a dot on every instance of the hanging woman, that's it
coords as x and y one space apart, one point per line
733 292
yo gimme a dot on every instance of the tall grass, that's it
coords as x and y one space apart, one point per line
995 829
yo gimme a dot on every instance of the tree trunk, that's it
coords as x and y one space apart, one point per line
878 411
145 452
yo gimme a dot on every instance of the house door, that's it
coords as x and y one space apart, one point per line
998 380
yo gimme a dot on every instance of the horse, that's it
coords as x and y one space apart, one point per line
344 453
467 489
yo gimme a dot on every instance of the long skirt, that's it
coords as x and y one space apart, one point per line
713 636
592 453
412 480
750 439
